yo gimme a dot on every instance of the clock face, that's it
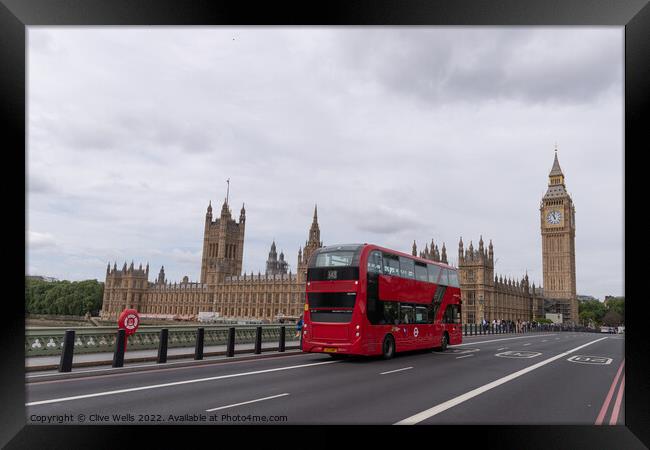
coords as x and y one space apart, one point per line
554 217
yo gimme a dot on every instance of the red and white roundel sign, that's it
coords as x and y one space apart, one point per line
129 320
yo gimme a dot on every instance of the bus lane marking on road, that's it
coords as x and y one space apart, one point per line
174 383
465 356
246 403
421 416
517 354
617 406
608 398
527 344
397 370
584 359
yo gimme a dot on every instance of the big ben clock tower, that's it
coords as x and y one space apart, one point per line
558 243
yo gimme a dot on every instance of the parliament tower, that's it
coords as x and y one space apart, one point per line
223 245
558 227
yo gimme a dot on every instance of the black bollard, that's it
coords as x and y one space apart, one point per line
258 340
465 329
230 349
65 365
198 348
162 346
282 338
118 354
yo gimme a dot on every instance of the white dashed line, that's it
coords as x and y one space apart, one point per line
246 403
397 370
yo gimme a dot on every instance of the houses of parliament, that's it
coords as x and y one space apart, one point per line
278 292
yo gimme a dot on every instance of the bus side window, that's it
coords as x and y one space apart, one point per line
421 271
406 314
391 264
406 267
421 315
390 312
452 314
444 280
434 273
453 278
374 262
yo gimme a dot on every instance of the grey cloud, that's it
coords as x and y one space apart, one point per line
451 65
397 134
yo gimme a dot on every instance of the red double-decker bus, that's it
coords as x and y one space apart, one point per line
363 299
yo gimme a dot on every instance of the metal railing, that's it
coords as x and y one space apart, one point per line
472 329
49 341
230 334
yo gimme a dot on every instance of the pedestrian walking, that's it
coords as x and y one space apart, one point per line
299 327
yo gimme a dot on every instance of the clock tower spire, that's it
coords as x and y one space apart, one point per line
557 219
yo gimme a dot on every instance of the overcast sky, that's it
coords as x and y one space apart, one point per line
398 133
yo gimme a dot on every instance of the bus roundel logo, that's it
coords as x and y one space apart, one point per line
415 332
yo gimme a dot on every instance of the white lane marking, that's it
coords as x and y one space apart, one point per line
497 340
175 383
397 370
584 359
502 348
246 403
544 340
465 356
527 344
517 354
419 417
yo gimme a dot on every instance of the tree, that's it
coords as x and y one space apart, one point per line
63 297
591 310
612 319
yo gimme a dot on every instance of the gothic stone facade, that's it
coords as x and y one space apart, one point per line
222 289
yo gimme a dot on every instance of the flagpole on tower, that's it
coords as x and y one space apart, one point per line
227 190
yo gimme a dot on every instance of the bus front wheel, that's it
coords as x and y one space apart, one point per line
388 347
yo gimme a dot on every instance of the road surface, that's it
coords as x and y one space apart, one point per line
536 378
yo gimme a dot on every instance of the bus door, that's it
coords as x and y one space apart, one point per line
439 325
404 339
452 324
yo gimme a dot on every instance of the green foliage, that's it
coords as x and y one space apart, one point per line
612 318
544 320
74 298
598 312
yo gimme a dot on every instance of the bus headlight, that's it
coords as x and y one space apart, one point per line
357 334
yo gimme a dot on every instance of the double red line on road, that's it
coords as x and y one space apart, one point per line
617 403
